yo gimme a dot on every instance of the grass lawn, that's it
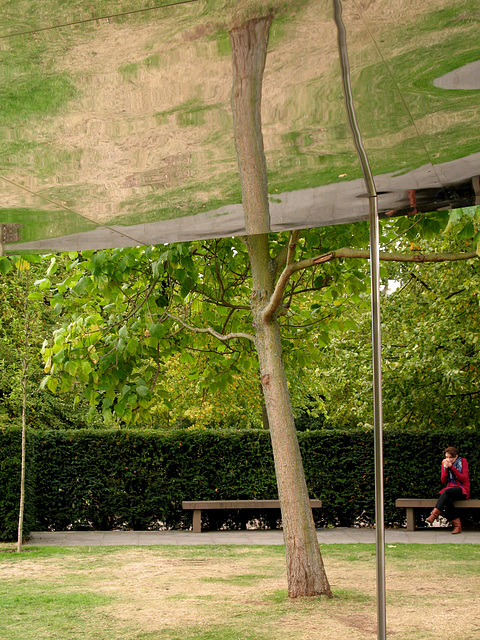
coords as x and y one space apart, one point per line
232 592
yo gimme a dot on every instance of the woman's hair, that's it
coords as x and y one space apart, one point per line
452 451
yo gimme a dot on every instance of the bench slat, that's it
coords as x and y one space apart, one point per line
238 504
431 502
198 505
418 503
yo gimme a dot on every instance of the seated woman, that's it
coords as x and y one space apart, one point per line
455 475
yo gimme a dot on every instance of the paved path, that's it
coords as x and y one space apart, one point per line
433 535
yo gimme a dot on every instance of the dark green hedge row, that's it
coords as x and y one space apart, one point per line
10 471
138 479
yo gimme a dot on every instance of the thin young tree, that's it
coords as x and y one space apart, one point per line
24 267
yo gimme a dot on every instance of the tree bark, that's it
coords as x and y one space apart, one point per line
249 52
305 571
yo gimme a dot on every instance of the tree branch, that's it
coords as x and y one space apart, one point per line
455 293
462 395
346 252
230 313
424 284
394 256
283 255
220 302
277 295
307 324
215 334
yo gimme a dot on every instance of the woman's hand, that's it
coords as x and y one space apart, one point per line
447 463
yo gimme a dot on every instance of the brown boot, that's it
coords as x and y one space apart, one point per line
457 526
433 516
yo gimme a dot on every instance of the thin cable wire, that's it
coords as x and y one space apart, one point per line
87 20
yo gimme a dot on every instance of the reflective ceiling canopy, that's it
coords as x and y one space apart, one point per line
116 125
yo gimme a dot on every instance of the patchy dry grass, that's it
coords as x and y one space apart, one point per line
231 592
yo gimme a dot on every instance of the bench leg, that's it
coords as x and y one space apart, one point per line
197 521
410 519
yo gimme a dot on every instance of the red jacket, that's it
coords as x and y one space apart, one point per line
462 478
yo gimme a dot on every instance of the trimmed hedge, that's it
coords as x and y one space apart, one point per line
138 479
10 472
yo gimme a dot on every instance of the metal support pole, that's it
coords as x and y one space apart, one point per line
377 416
376 334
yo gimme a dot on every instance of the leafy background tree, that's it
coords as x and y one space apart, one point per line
429 336
45 410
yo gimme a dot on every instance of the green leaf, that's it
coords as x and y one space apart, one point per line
187 358
156 330
143 391
82 286
107 402
52 384
107 416
467 232
71 367
86 367
52 268
33 258
132 346
131 400
35 295
43 284
158 268
5 265
59 356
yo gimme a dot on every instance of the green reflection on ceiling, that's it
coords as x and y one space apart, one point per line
415 121
127 120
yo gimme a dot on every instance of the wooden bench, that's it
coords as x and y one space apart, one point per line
198 505
428 503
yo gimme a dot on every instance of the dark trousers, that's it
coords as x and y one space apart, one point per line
445 502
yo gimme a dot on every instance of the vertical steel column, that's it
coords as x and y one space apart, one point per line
376 334
377 417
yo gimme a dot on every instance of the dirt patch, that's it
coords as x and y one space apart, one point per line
359 622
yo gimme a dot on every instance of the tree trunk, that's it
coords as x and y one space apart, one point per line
305 571
249 51
24 418
23 462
